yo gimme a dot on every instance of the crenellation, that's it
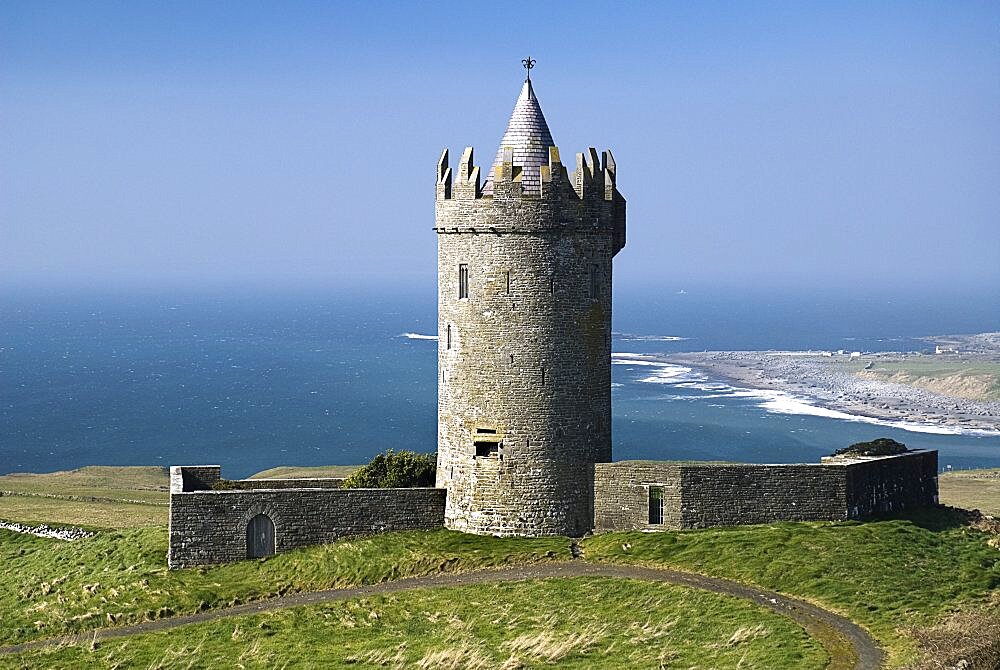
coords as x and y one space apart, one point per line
443 177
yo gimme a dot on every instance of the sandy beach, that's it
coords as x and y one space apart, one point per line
865 385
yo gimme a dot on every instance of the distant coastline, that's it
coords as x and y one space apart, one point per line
953 392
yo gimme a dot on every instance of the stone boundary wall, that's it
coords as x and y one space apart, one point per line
700 495
732 495
210 526
261 484
621 493
891 484
188 478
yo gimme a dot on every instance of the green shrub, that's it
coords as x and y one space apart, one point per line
883 446
394 469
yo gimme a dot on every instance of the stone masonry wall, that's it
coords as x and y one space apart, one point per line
730 495
621 493
524 359
892 484
210 526
699 495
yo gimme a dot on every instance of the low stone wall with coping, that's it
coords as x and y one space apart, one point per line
700 495
209 516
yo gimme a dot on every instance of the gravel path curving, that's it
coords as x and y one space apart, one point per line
850 647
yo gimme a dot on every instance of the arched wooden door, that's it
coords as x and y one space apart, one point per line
260 537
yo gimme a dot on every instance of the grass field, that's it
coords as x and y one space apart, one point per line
972 489
897 577
887 575
96 497
572 623
48 587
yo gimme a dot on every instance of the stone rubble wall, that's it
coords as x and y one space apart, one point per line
700 495
622 494
731 495
210 526
892 484
258 484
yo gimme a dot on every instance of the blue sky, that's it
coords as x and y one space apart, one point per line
757 143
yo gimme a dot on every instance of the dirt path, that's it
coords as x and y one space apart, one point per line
849 646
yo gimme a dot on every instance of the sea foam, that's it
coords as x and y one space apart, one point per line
772 401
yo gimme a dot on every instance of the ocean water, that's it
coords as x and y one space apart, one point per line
251 380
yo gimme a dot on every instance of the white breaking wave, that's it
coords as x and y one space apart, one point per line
663 373
628 337
775 402
418 336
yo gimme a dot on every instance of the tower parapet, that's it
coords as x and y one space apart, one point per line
524 310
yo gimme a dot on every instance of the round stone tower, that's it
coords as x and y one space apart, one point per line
524 325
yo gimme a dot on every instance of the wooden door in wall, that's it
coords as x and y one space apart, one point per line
260 537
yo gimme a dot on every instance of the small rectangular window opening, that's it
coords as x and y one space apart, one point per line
486 449
507 274
486 431
463 280
655 505
543 375
595 284
448 337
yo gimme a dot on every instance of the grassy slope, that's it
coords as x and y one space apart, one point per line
49 587
577 623
295 471
148 484
98 496
886 575
96 515
972 489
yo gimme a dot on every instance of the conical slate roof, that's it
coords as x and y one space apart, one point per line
529 137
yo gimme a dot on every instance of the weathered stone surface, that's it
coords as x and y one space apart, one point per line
209 526
525 359
699 495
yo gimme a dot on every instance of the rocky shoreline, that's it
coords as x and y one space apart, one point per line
833 381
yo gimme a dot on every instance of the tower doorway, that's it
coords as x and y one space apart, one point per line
260 537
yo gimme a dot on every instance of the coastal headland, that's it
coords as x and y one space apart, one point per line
956 389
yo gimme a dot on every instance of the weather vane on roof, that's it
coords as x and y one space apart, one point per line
528 63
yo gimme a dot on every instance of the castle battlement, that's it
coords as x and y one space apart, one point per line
586 200
593 178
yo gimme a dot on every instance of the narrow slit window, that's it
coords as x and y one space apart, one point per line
595 281
543 375
552 285
486 431
463 281
655 506
507 276
447 337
